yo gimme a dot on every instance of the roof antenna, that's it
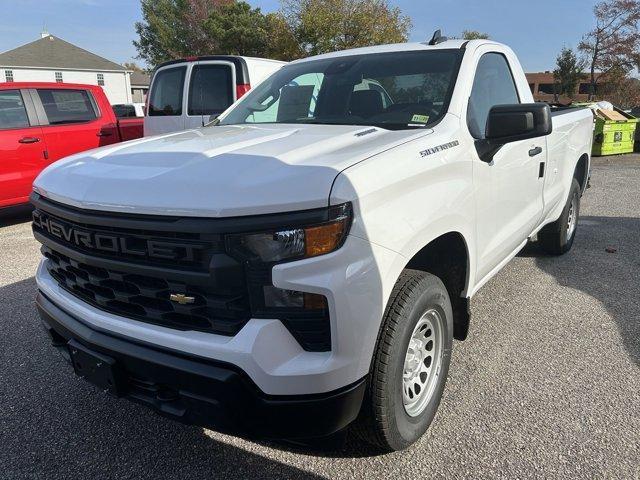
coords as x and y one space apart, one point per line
437 38
44 33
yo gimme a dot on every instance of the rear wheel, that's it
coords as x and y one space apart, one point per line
557 237
411 363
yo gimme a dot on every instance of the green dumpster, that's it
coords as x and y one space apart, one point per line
614 132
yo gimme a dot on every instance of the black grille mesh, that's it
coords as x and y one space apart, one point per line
147 298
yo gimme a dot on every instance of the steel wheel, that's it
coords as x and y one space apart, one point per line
572 218
422 363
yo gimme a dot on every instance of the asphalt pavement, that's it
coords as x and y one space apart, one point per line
546 385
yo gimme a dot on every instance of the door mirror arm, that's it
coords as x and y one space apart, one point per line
486 150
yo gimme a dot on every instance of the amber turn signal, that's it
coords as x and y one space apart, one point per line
324 238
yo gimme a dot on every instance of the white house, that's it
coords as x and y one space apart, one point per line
51 59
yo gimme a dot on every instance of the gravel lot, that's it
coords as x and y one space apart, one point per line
547 385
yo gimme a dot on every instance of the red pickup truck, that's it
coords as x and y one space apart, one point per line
44 122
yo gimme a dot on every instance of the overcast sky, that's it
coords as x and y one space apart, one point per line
536 30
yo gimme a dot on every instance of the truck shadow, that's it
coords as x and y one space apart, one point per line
611 278
14 215
55 425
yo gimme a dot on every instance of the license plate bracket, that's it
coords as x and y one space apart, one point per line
98 369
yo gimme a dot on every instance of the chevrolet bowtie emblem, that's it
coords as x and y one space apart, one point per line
181 298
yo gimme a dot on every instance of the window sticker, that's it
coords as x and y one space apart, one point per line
423 119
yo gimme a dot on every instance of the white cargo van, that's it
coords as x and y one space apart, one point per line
188 93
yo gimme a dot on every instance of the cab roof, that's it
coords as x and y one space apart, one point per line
400 47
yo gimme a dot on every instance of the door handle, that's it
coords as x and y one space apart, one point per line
104 134
535 151
29 140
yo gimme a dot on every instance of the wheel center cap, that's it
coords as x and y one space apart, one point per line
414 359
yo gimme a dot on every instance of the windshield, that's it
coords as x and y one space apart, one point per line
398 90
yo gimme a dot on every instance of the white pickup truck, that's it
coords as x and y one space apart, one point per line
305 262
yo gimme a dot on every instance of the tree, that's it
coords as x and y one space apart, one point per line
283 44
614 43
568 73
238 30
620 89
133 67
180 28
321 26
474 35
175 28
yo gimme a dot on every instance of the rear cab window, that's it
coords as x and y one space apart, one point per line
63 106
124 111
210 89
13 113
167 92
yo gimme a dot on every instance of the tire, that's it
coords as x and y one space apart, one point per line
557 237
389 420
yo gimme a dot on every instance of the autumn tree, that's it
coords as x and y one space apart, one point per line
176 28
179 28
321 26
620 89
568 73
614 43
474 35
283 44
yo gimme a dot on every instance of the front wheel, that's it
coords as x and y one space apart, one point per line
411 363
557 237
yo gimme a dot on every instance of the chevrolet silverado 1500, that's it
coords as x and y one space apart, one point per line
305 262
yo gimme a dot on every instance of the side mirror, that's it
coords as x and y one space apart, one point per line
511 123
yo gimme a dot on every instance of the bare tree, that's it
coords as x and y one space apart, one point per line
614 43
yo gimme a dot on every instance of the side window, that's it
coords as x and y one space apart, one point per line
493 85
124 111
13 113
295 100
210 89
67 106
166 92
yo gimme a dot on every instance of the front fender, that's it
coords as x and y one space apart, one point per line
403 201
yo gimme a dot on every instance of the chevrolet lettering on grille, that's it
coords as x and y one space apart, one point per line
105 242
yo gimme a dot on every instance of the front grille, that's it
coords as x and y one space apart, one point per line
147 298
170 271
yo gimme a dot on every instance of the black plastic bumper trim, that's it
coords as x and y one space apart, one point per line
206 393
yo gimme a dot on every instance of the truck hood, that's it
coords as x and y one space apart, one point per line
217 171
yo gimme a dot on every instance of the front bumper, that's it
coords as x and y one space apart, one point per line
199 391
354 281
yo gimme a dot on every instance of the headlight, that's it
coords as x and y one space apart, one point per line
300 242
299 235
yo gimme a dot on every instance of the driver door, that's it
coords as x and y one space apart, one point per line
508 189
